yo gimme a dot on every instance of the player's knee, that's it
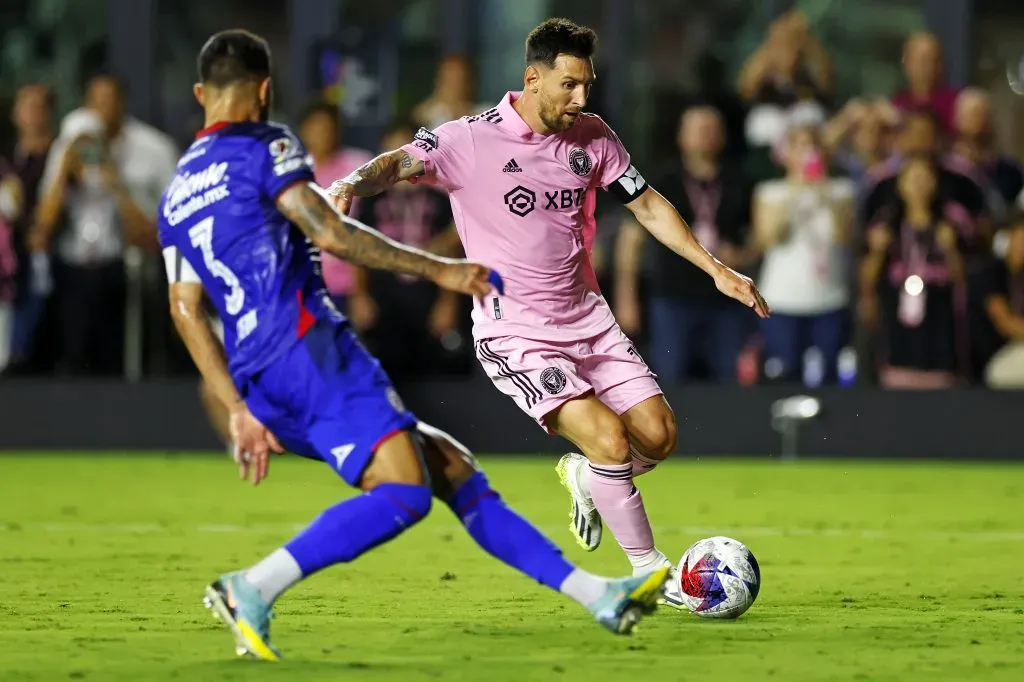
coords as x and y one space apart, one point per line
470 494
662 435
411 502
610 445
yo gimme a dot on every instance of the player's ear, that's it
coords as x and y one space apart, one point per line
197 90
531 79
265 93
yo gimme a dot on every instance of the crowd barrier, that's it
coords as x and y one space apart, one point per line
165 416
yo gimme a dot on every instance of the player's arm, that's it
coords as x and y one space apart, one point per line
660 218
253 442
186 299
352 241
376 176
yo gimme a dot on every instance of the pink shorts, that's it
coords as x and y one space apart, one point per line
541 376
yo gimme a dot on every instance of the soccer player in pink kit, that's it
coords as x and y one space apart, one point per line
521 177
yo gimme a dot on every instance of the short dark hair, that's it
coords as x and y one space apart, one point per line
320 108
119 83
233 56
559 36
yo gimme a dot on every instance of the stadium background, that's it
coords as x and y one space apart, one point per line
117 503
375 62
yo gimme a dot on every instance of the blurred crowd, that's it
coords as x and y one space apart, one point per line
886 234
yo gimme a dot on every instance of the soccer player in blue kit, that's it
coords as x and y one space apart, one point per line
244 221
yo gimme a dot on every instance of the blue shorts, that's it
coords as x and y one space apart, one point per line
327 398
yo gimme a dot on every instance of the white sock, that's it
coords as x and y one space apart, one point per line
274 575
645 563
586 588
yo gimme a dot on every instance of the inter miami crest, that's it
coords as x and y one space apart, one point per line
553 380
580 163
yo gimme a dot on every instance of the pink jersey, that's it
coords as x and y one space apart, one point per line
524 205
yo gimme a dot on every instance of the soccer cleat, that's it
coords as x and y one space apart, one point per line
628 600
238 604
584 521
672 593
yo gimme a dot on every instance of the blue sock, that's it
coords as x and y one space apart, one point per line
350 528
506 535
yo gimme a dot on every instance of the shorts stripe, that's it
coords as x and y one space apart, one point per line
531 392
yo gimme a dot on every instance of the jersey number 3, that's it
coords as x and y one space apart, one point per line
202 238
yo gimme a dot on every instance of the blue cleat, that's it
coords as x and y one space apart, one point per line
238 604
628 600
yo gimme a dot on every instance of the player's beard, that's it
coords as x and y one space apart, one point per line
555 120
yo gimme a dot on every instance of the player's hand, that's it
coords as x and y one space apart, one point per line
341 193
741 288
464 277
253 444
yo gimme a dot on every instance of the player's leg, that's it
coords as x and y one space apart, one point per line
457 480
327 399
602 437
541 377
395 497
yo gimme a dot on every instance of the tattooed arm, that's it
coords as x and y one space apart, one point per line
375 176
352 241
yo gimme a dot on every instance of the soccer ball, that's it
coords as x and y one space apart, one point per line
718 578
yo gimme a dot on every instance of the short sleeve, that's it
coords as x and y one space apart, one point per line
179 270
283 161
446 153
616 173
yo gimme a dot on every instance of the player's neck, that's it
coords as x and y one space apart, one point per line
700 166
229 110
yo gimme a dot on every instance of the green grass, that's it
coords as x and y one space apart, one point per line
870 572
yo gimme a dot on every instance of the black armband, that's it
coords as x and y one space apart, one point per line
629 186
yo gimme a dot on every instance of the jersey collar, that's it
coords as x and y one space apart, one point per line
213 128
510 118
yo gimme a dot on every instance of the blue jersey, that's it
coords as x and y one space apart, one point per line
219 224
299 367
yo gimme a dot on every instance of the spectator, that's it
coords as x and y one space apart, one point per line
922 68
690 322
858 138
105 175
10 208
803 224
320 132
787 80
1004 303
919 135
33 124
914 271
790 66
975 155
410 325
452 97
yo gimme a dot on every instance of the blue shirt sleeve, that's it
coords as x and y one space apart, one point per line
284 161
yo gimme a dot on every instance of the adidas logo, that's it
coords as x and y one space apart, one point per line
512 167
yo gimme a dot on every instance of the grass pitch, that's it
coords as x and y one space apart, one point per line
870 572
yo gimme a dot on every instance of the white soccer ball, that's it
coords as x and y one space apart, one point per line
718 578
